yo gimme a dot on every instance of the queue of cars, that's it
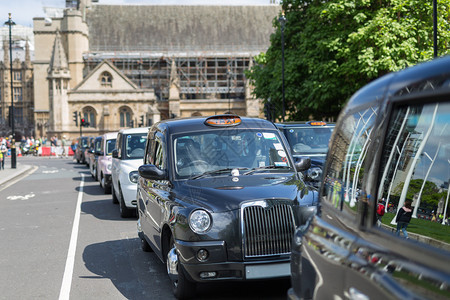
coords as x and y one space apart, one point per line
231 198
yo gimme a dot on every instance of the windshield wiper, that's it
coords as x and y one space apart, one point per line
265 168
216 172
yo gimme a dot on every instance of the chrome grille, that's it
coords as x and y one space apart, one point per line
267 231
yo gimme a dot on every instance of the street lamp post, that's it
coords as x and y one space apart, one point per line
13 140
228 90
282 19
435 48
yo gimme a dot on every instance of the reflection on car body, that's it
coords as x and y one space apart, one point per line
309 139
219 198
390 142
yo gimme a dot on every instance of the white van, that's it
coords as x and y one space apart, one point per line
126 159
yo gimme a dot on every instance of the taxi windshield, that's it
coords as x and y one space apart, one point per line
223 150
311 141
135 145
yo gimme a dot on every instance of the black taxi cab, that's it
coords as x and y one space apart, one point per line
219 198
391 144
309 139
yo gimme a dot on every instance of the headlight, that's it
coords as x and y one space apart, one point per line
108 167
315 173
134 176
200 221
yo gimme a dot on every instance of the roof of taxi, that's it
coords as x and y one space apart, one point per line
304 124
198 123
427 76
134 130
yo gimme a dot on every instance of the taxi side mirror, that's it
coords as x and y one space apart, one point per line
152 172
115 153
302 164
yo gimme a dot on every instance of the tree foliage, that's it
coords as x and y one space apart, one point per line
333 48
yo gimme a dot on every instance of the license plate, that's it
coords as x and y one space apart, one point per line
268 271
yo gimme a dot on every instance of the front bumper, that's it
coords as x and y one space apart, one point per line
217 264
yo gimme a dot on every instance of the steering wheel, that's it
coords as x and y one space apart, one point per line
197 162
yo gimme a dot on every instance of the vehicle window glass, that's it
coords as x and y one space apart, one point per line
159 155
199 152
311 141
147 156
98 145
84 142
415 169
110 146
135 145
119 145
342 181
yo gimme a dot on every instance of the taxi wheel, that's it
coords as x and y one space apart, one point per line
182 288
106 188
115 200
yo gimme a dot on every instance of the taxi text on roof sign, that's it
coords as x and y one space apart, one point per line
223 120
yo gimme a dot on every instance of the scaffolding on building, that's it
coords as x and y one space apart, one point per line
220 76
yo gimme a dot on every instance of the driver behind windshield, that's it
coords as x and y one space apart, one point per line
210 151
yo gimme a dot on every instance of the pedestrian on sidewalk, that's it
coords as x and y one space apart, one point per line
3 151
403 218
380 211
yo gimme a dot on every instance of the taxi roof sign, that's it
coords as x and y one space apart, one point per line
317 123
223 120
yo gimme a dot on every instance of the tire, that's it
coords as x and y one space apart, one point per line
182 288
115 200
106 188
95 173
125 212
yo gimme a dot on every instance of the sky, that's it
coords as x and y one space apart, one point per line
23 11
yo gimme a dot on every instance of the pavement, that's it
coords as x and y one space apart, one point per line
9 174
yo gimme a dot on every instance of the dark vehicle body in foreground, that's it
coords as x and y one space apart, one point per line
220 201
390 139
309 139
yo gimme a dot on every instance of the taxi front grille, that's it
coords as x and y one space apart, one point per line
267 231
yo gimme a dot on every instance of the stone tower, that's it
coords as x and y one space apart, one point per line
58 83
74 39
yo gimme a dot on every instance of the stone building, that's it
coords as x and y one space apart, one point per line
22 81
124 66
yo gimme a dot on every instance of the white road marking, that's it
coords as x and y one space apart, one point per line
26 197
50 172
68 271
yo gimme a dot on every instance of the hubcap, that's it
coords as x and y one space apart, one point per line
172 265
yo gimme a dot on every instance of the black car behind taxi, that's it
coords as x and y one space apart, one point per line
309 139
219 198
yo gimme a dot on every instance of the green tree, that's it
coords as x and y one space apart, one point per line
333 48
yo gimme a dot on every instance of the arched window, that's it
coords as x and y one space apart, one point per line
106 79
125 117
89 115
